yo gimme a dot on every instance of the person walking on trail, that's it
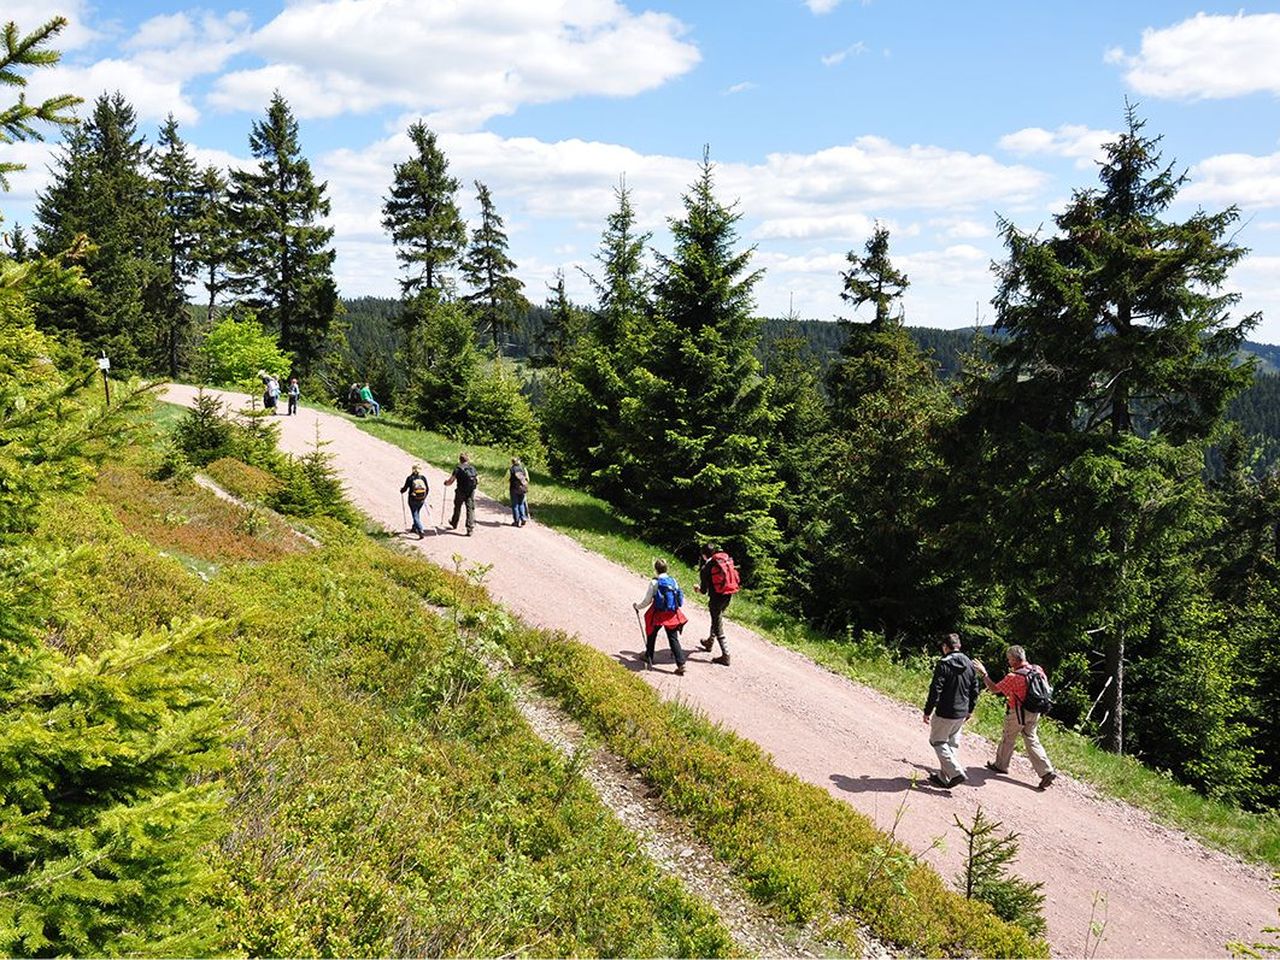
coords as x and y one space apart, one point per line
294 392
664 600
518 488
464 494
1026 691
953 695
718 579
366 397
270 391
416 486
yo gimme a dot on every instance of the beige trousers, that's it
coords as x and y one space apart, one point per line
1035 752
944 737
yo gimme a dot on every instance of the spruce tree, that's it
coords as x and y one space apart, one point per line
495 290
101 188
565 322
174 175
213 245
285 260
692 447
872 278
582 413
19 250
1119 360
423 220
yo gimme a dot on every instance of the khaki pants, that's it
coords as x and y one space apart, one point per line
944 737
1035 752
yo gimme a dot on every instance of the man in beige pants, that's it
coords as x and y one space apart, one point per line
1017 719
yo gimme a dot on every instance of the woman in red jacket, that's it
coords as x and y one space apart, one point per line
664 600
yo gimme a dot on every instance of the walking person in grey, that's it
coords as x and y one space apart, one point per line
294 392
518 488
953 695
718 579
1026 691
416 486
464 475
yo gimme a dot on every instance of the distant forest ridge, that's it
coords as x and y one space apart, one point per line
373 337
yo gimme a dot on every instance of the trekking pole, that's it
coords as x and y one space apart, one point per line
644 637
404 517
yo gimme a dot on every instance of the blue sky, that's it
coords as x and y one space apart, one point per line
823 116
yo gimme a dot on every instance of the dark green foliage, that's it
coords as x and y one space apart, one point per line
873 279
423 220
563 323
285 261
495 291
213 243
986 875
101 188
18 120
204 432
310 487
178 203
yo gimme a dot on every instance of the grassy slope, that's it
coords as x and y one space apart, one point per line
596 526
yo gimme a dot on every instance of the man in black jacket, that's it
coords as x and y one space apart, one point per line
464 475
953 693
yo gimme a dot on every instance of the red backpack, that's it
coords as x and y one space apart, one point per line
724 575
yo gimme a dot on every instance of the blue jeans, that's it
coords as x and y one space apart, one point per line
377 408
414 509
519 507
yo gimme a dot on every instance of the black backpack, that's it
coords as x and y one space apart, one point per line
1039 696
467 479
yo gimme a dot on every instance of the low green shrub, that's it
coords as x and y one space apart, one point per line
242 480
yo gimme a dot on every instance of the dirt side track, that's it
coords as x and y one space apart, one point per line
1167 895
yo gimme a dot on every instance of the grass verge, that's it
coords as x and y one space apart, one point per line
595 525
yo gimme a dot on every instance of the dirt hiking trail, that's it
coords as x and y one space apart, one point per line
1166 894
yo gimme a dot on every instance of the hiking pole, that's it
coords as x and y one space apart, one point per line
404 517
645 637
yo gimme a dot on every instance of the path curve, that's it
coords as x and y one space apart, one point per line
1167 894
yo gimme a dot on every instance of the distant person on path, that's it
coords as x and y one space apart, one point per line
518 487
294 392
353 399
953 695
416 486
270 391
718 579
366 397
464 475
664 600
1022 687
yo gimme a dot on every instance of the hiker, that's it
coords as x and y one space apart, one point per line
366 397
417 487
464 475
294 392
953 694
664 600
1026 691
353 399
270 391
518 487
718 579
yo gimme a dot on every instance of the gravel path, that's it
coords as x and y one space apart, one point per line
1167 895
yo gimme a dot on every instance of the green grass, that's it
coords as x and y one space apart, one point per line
594 524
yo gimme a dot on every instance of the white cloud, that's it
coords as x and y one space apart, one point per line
813 227
479 60
30 14
953 228
152 94
1207 57
1240 178
819 7
742 87
1074 141
856 49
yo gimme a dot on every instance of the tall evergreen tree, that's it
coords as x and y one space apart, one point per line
423 219
284 253
692 445
564 324
19 249
213 245
872 278
101 189
582 413
174 175
495 290
1119 351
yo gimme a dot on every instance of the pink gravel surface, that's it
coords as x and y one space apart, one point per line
1167 895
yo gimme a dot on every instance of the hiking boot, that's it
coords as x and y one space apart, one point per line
993 768
421 534
708 643
648 663
679 669
956 781
1047 780
723 659
937 781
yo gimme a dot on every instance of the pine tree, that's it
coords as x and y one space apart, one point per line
872 278
213 246
101 188
423 219
1119 360
564 324
692 447
986 875
175 186
19 250
495 290
284 253
17 120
